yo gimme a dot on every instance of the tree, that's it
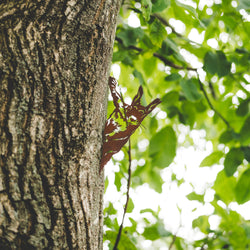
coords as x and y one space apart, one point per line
54 67
195 57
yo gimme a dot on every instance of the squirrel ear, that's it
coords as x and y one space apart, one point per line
137 98
153 105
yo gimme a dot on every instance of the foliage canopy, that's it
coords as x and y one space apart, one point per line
195 56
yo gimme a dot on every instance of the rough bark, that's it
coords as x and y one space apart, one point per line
54 66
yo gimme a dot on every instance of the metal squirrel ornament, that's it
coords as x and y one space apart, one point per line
123 121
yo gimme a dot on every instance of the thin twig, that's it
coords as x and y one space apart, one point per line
212 107
171 64
126 204
172 243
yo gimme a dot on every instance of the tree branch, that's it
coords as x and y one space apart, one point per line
171 64
157 55
212 107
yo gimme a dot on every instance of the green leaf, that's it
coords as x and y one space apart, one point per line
149 210
243 108
232 160
216 63
173 77
172 111
155 181
191 10
246 151
171 44
162 147
170 98
124 244
241 51
226 136
224 187
211 159
130 36
157 33
245 132
160 5
119 55
242 189
118 176
123 56
110 209
139 76
156 231
200 106
132 228
244 4
223 65
195 197
146 9
130 206
153 125
210 62
106 183
202 223
190 90
149 65
188 112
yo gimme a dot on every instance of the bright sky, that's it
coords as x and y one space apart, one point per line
176 210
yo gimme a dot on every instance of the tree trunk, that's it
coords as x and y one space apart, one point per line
54 66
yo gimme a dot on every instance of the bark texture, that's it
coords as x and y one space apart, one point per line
54 66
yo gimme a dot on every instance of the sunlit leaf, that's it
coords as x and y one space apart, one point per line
190 90
224 187
232 160
149 65
246 151
227 136
155 180
188 111
244 4
110 209
156 231
160 5
245 132
242 189
130 206
118 182
202 223
191 10
146 9
162 147
106 183
243 108
124 244
157 32
130 36
170 98
211 159
195 197
216 63
173 77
